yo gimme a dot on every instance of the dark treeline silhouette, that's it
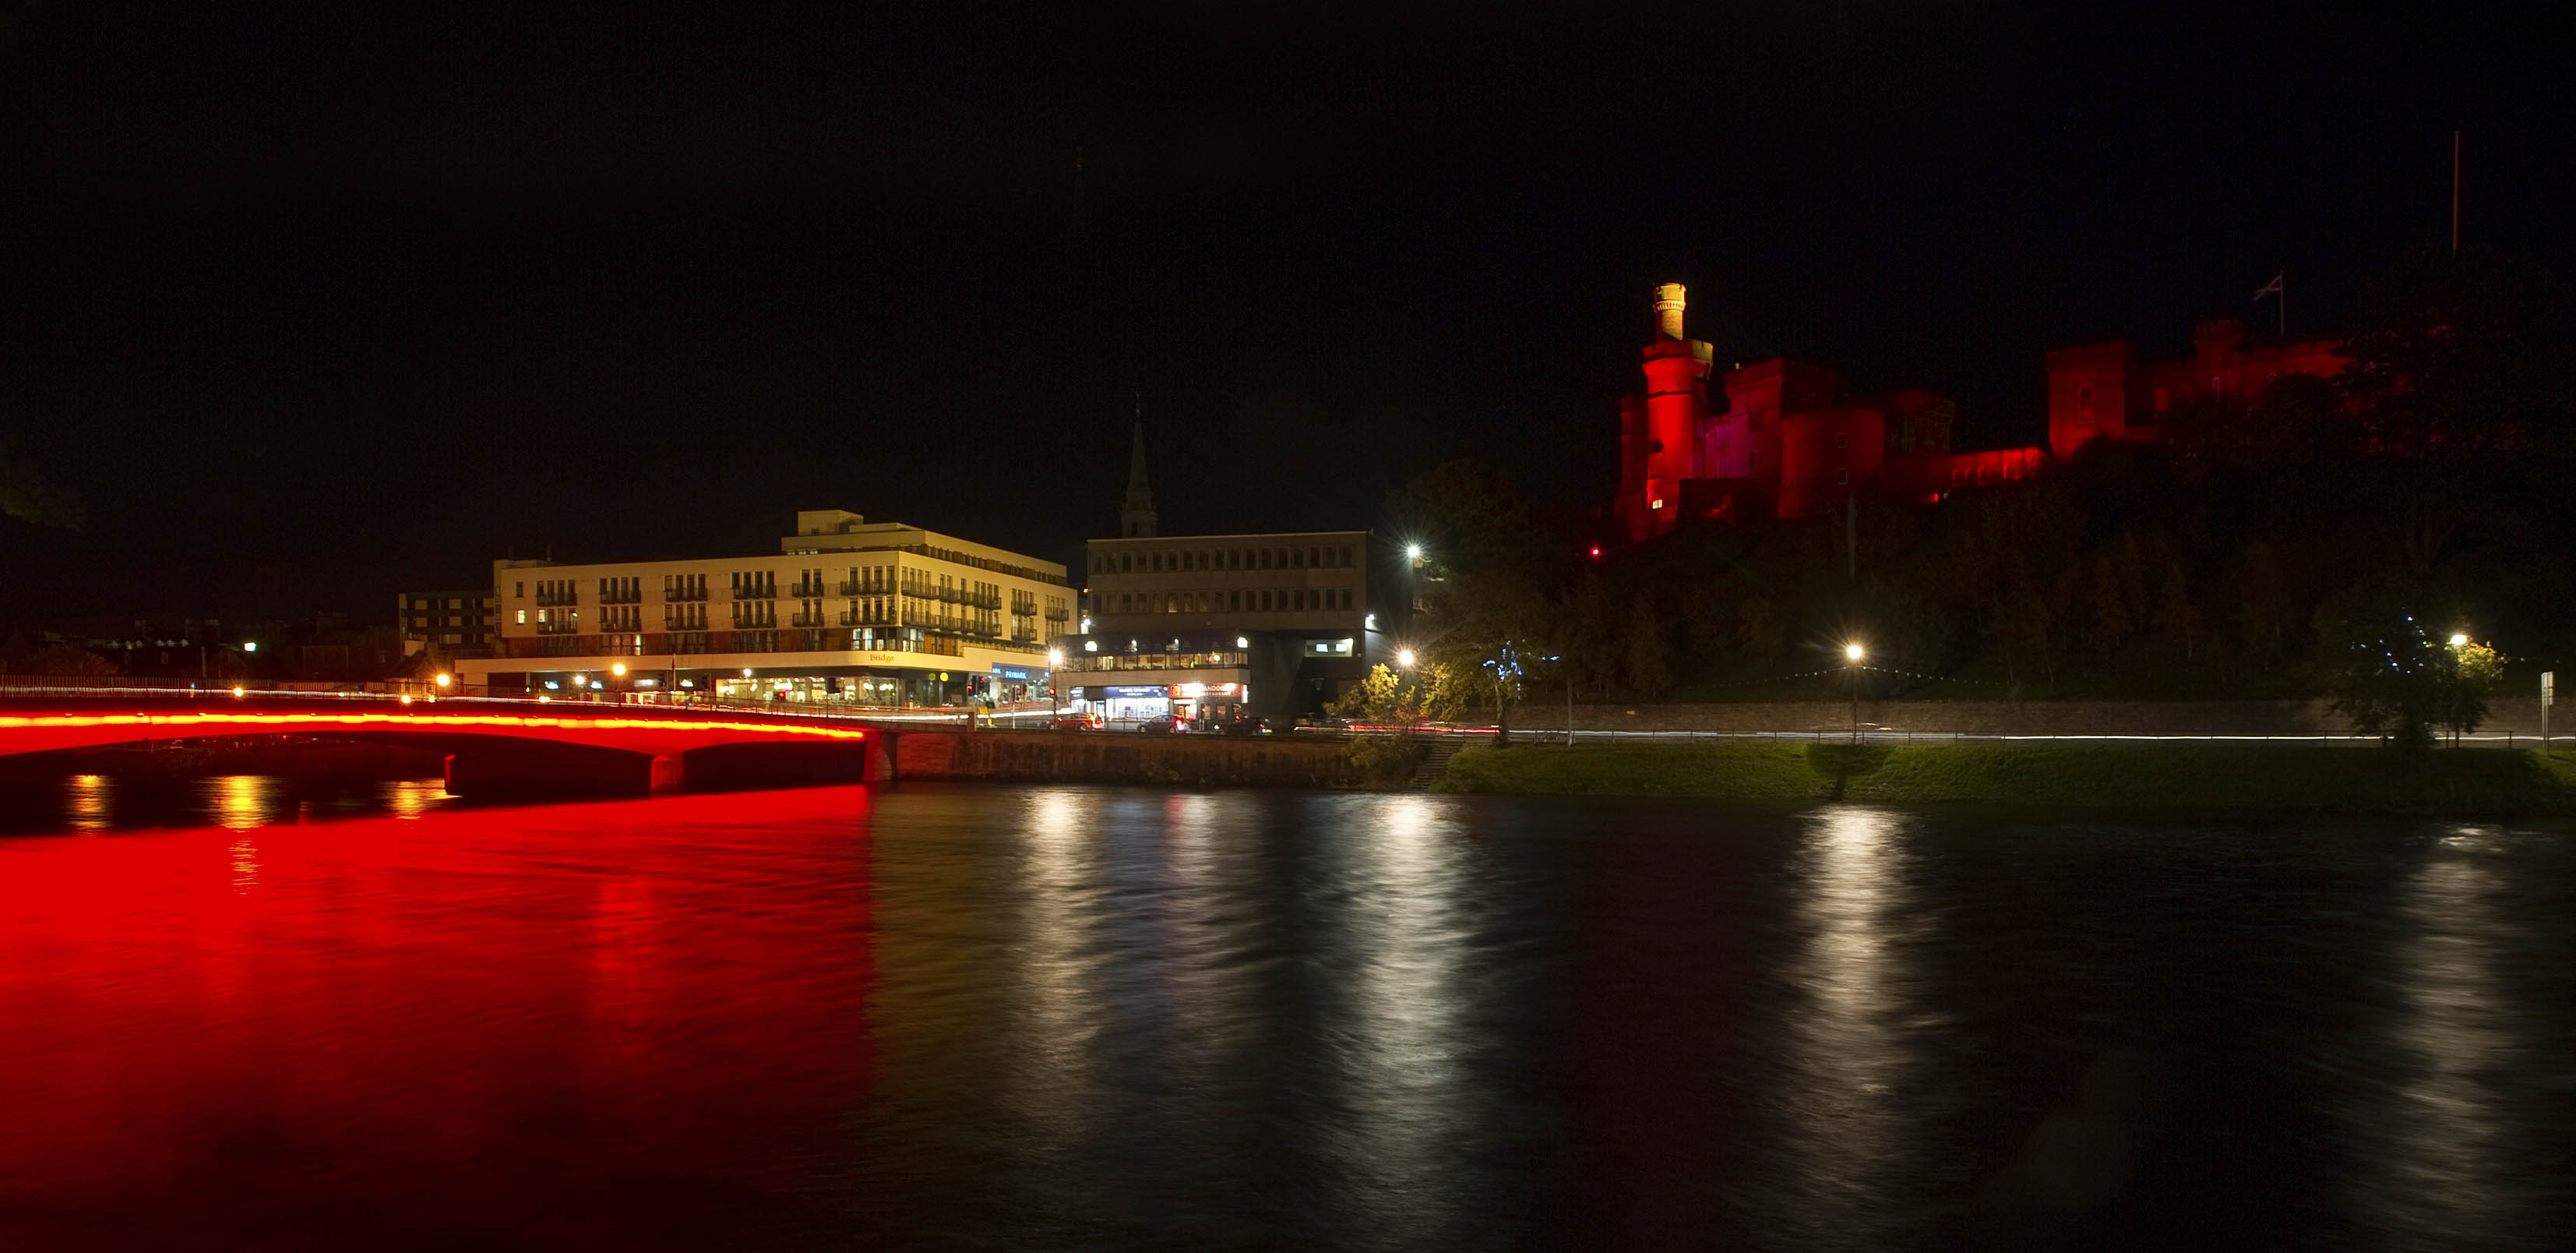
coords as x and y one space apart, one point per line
2225 559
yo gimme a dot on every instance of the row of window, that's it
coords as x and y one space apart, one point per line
1265 600
1279 557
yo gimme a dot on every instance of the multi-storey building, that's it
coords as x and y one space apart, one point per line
1219 626
454 623
849 611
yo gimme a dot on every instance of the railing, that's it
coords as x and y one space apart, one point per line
691 592
622 596
1221 660
806 620
558 628
757 591
805 590
847 587
1059 615
552 599
982 600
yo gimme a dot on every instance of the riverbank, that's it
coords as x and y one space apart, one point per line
2219 775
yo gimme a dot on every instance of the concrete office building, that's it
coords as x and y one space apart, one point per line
1219 626
849 612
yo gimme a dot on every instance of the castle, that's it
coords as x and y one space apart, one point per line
1787 443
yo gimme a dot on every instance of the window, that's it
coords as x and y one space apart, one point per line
518 589
523 617
2084 405
1842 476
1842 439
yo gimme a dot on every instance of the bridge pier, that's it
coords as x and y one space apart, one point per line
528 768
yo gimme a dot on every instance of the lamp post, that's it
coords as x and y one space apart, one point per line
1055 699
1852 653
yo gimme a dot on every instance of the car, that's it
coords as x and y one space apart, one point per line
1074 722
1165 725
1244 726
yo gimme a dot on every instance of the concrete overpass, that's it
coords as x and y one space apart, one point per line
491 746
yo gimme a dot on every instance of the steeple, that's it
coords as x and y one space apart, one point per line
1136 515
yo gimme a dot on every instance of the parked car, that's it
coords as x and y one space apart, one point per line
1244 726
1074 722
1164 725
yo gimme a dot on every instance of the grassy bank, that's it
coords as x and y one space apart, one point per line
2126 775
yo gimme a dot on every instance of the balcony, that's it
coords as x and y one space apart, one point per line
622 596
806 620
806 590
1059 615
846 587
981 600
757 591
690 592
552 599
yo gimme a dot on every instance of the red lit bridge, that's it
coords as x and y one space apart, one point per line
491 746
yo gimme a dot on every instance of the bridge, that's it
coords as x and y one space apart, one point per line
491 746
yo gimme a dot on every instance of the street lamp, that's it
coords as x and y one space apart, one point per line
1404 658
443 678
617 668
1852 653
2459 639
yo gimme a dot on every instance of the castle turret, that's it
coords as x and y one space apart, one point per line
1676 404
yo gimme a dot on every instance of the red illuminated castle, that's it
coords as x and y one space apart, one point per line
1787 444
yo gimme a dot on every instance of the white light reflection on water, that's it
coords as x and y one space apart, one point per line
1408 1086
1210 996
1051 1075
1843 1121
2448 1118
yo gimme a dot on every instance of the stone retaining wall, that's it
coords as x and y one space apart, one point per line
1982 717
1114 757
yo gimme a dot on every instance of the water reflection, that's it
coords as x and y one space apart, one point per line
1844 1124
2459 1030
1401 1059
89 807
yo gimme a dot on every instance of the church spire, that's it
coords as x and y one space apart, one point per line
1136 515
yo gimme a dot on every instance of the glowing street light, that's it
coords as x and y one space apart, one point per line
1854 652
444 678
250 646
2459 639
617 668
1413 552
1404 658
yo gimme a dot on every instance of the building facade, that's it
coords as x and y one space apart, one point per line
1776 439
2103 391
452 623
1217 627
848 612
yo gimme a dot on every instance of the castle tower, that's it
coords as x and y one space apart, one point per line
1136 515
1676 406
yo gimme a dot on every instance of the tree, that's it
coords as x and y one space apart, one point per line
65 660
2386 671
1649 669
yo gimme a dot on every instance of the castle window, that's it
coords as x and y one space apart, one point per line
1842 439
1842 476
2084 405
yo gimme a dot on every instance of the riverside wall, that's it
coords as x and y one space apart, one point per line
1995 717
1112 757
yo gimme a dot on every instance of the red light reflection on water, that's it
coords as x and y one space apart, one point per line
562 1023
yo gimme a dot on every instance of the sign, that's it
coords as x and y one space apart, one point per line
1137 693
1013 673
2548 688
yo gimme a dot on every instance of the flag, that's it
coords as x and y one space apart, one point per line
2272 288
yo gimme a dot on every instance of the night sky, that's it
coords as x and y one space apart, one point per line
308 309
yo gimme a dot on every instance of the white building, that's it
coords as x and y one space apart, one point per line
849 612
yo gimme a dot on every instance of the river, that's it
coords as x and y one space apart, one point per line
237 1016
